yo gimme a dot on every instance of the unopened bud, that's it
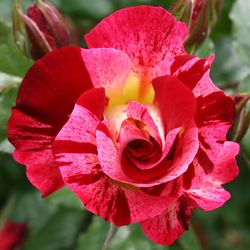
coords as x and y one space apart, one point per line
182 10
203 15
39 31
242 121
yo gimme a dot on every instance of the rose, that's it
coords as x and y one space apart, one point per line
134 126
12 235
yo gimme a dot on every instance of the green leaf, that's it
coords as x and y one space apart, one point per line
58 233
228 68
12 61
189 241
132 237
65 198
30 207
224 24
6 147
50 227
95 236
8 90
241 24
206 49
7 101
128 237
8 81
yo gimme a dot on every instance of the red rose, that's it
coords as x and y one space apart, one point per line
134 126
12 235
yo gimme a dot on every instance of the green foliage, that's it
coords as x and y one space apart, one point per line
228 68
206 49
8 91
58 232
241 28
12 61
127 237
66 198
95 236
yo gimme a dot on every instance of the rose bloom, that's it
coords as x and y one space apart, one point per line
12 235
133 125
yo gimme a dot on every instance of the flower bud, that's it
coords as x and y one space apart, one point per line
182 10
242 121
200 16
41 30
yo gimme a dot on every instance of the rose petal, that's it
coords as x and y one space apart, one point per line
165 228
108 68
150 36
226 169
113 166
45 98
194 73
148 115
118 203
203 185
215 115
176 101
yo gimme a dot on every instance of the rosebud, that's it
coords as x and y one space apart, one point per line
41 30
200 16
182 10
242 121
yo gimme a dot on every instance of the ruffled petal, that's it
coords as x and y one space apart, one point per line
165 228
194 73
176 102
150 36
203 182
118 203
45 99
122 170
215 115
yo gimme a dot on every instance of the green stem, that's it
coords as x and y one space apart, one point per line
112 231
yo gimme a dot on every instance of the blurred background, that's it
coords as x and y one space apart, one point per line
60 222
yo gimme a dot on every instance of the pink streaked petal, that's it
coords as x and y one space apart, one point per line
45 99
194 73
176 102
143 113
215 115
150 36
226 168
171 137
113 166
107 68
35 153
118 203
75 145
165 228
208 198
203 182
